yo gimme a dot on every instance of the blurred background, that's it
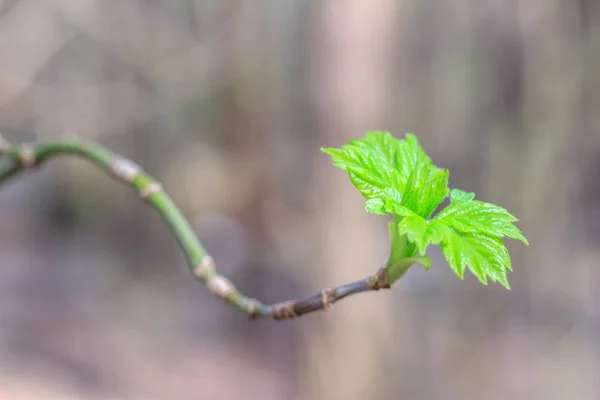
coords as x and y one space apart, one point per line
227 103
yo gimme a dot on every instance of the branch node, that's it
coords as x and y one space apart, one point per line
283 311
205 265
124 169
149 190
27 156
381 282
253 308
325 299
220 286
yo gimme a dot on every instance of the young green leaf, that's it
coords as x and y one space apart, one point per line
485 256
397 177
426 188
475 239
418 230
459 196
371 163
388 171
375 206
478 217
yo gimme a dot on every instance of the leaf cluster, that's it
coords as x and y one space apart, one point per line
397 177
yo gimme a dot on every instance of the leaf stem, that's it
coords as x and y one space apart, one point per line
25 157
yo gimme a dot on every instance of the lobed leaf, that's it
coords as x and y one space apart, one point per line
388 171
371 163
485 256
420 231
460 196
479 217
397 177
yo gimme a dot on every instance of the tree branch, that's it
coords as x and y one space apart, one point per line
30 156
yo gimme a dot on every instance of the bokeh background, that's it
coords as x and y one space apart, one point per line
227 103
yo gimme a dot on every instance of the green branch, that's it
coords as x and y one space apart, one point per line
31 156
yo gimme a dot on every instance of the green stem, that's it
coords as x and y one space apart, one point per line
29 156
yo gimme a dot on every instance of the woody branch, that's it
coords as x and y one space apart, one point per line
27 157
